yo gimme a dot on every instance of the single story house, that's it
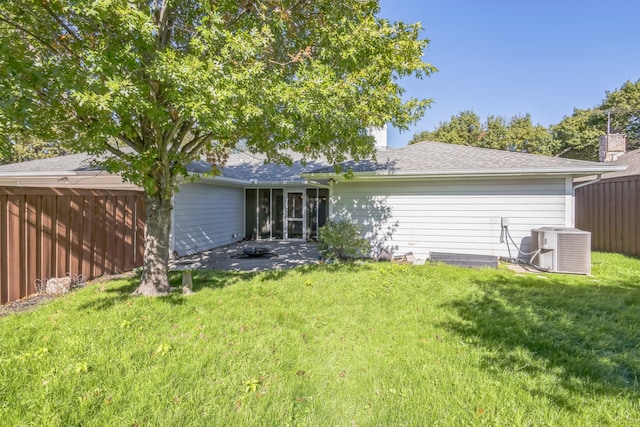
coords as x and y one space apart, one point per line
421 198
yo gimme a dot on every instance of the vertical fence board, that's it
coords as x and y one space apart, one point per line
4 265
626 221
88 242
62 232
47 260
15 246
100 234
76 234
634 236
110 226
38 259
140 231
129 232
618 202
32 243
119 250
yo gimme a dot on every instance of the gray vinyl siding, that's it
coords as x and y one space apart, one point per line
458 216
206 216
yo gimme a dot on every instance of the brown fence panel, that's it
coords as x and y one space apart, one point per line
609 209
48 232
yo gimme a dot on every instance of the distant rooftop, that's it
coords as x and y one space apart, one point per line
441 158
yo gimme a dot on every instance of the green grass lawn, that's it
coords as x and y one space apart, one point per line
337 345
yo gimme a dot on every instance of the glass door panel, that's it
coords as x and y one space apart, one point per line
312 213
295 215
264 213
277 214
251 212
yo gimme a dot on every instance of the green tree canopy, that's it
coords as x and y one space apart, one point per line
577 135
29 148
517 134
158 83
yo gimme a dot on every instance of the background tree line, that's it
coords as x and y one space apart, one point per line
576 136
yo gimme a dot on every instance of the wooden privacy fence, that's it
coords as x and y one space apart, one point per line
52 232
610 210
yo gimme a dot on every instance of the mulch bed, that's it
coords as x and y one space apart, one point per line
25 304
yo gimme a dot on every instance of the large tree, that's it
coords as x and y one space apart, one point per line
577 135
462 129
516 134
159 83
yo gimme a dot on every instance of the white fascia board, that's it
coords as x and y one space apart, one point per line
281 183
251 183
217 179
36 174
468 173
55 174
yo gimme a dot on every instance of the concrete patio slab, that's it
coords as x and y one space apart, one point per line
281 255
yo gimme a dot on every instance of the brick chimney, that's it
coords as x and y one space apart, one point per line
612 146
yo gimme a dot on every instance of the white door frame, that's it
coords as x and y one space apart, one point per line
303 220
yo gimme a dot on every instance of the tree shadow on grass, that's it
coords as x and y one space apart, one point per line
114 295
342 267
580 332
215 279
212 279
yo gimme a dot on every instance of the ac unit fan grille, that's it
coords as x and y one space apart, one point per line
574 253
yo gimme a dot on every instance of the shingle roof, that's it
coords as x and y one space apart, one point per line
440 158
240 165
249 166
631 160
69 163
429 158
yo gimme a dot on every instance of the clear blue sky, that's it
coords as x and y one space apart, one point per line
509 57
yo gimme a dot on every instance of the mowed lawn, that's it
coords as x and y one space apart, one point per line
334 345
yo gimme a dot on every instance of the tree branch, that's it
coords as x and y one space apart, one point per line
171 133
565 151
196 144
24 30
184 129
129 142
61 22
113 150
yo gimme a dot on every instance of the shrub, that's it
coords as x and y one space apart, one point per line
342 240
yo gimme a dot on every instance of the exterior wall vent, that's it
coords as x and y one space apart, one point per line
561 250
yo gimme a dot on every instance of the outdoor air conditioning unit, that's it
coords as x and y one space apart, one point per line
561 250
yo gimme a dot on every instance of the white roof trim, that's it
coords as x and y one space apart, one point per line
469 173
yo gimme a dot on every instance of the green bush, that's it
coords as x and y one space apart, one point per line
342 240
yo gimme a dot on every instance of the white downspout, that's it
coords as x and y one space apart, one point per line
573 195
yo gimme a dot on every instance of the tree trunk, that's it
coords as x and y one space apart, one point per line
155 279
